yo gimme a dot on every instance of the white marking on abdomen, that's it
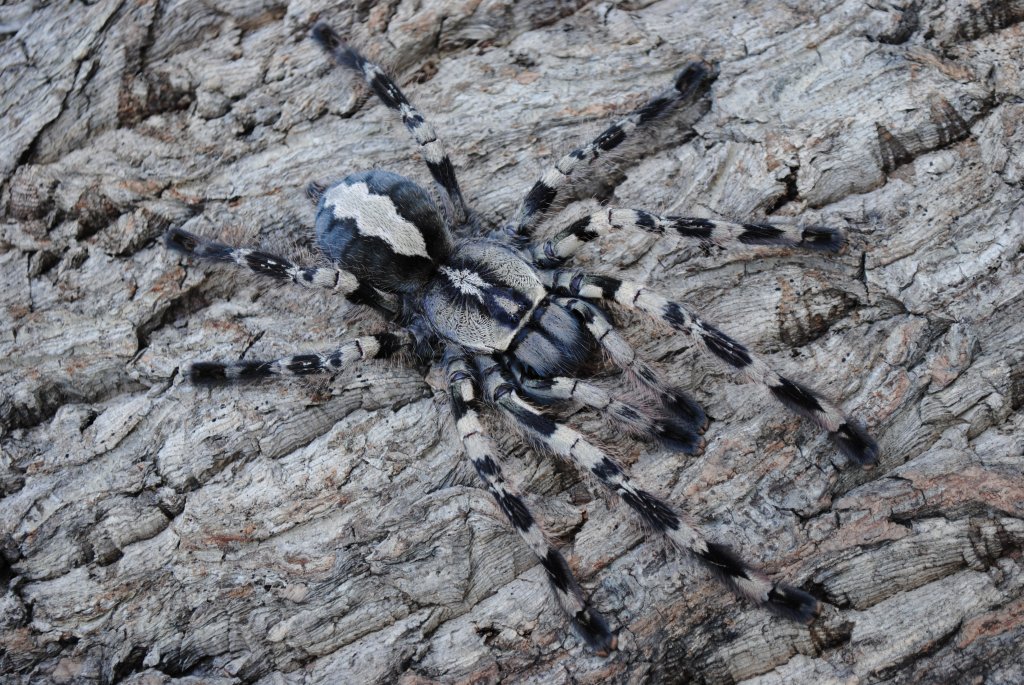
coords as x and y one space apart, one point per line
376 216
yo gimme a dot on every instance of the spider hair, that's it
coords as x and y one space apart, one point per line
518 330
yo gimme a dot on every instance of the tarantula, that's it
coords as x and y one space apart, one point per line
513 327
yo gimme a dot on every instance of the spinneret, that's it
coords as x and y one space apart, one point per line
518 333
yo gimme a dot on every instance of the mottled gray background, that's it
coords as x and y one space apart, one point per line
151 532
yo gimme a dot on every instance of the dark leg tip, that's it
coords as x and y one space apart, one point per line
207 373
822 238
323 34
181 240
216 373
678 438
594 630
794 604
695 76
685 411
853 441
724 563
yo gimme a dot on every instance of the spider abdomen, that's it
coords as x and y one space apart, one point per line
384 229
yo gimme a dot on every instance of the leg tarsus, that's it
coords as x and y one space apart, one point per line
849 436
853 441
793 603
781 599
216 373
182 241
694 76
278 268
684 409
594 629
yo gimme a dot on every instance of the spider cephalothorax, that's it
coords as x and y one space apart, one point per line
517 329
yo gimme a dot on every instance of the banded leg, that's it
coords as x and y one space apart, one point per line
681 436
380 346
554 252
430 145
680 406
275 267
690 84
590 624
564 441
846 433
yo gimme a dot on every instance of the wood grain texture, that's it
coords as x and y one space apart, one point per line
152 532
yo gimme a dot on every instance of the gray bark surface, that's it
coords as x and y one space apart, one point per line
153 532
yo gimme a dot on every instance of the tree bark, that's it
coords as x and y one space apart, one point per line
153 532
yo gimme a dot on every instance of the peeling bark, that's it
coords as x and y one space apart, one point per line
152 532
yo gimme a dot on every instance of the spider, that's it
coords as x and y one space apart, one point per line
514 328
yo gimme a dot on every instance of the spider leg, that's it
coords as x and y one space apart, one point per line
690 84
277 268
556 251
462 389
681 407
431 147
379 346
678 435
845 432
566 442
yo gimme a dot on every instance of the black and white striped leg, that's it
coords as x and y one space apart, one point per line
566 442
847 434
380 346
430 145
673 433
462 388
554 252
275 267
683 409
690 84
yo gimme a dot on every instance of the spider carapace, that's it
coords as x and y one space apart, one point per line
514 327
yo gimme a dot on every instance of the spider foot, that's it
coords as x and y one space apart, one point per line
853 441
792 603
594 630
327 37
782 600
695 76
678 438
181 240
216 373
315 190
685 410
846 433
822 238
683 425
